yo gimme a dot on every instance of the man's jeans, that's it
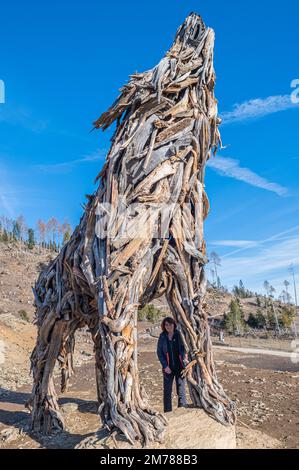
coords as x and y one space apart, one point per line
180 388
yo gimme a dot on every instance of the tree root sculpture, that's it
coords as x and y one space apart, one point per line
141 236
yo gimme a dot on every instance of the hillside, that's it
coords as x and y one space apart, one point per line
19 268
263 386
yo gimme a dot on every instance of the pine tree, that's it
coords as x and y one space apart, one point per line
234 320
66 238
31 240
16 231
5 237
260 318
287 316
252 321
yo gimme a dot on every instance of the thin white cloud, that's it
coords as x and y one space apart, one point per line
20 116
285 235
270 262
260 260
231 168
259 107
235 243
64 167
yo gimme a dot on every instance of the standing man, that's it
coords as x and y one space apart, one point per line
171 354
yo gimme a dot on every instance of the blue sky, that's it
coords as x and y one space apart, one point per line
62 64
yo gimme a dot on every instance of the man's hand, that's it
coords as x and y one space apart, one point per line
167 370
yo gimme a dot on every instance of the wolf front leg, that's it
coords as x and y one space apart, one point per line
185 299
43 403
125 407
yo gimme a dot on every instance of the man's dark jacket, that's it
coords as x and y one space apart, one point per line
162 349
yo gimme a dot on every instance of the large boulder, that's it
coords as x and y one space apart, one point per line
194 429
188 428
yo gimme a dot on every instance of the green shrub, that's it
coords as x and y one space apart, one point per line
252 321
24 315
31 240
234 320
257 320
150 313
287 316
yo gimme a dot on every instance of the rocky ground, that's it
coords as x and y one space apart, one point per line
265 387
266 398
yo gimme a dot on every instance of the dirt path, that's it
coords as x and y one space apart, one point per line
267 401
269 352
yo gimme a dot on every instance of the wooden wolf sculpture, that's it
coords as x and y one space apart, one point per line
141 236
